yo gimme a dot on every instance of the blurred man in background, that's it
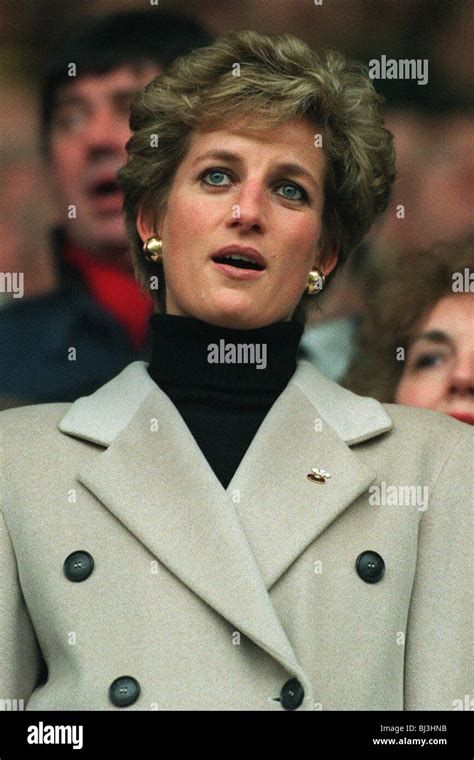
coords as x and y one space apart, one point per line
65 343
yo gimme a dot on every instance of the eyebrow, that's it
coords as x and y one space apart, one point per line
75 99
66 100
288 168
434 336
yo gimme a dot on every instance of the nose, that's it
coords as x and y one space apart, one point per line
103 134
249 208
462 377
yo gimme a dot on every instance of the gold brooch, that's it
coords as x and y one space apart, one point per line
318 475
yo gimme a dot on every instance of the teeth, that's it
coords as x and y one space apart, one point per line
238 257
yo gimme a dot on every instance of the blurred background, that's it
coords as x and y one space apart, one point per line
433 123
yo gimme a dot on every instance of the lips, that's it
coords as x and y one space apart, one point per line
240 257
103 186
463 417
105 194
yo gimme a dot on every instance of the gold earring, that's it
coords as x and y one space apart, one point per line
315 282
153 250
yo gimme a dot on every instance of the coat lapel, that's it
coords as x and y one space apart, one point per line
230 546
281 509
163 490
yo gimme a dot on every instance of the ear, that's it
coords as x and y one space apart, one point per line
326 263
144 227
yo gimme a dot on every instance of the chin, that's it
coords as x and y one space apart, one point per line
230 320
112 238
98 238
234 312
109 233
234 319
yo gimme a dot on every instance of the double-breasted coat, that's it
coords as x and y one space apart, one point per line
131 579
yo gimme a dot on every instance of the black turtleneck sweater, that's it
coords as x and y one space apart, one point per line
223 403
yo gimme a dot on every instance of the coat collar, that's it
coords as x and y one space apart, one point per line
229 546
103 415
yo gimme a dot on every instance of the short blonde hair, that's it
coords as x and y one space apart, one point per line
271 79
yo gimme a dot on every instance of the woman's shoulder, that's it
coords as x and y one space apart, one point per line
131 382
357 419
33 416
407 441
29 434
418 421
422 444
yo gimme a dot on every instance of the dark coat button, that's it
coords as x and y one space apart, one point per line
292 694
78 566
370 566
124 691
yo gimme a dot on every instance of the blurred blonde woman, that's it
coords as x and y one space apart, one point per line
213 526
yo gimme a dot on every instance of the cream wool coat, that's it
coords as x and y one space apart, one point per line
213 598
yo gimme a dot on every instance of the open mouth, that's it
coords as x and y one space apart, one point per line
105 188
105 196
240 262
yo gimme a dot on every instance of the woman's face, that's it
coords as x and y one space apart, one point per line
439 370
258 194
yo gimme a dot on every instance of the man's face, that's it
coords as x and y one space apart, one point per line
89 131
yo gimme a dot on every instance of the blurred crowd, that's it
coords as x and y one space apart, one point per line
428 222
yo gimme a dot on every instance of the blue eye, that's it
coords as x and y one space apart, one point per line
295 193
214 177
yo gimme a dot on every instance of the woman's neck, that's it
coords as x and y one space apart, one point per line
189 352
